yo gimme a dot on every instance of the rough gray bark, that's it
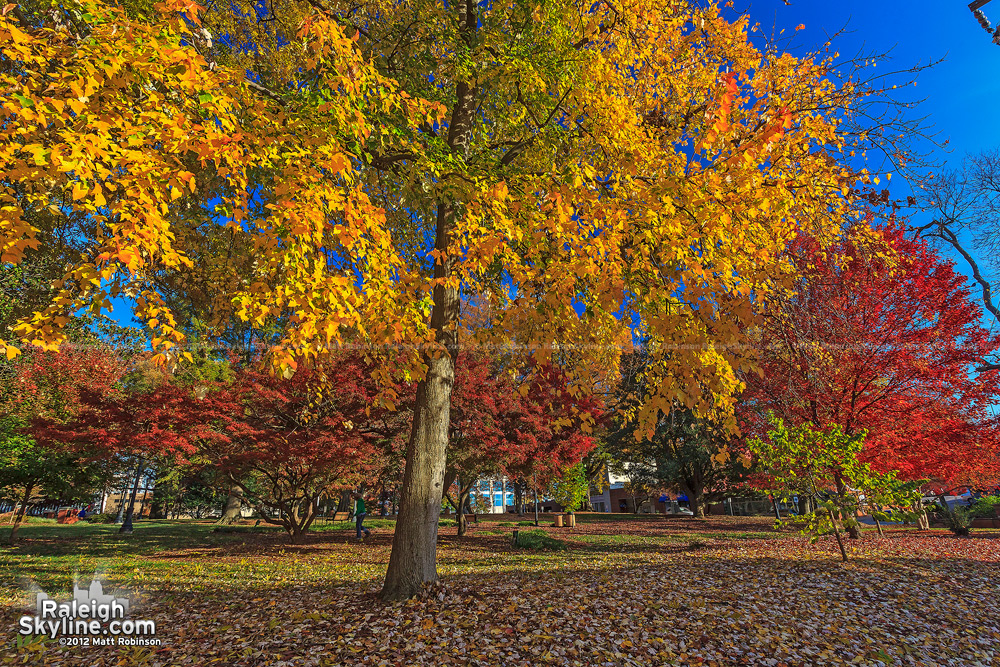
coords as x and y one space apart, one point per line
412 562
234 505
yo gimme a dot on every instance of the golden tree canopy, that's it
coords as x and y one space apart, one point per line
629 166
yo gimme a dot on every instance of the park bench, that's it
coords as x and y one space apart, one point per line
340 516
471 518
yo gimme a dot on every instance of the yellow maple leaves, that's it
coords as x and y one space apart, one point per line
643 171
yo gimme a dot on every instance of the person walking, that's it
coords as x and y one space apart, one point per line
360 512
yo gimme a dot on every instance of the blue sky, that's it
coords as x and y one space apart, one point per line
960 95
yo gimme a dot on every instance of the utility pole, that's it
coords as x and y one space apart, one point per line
976 7
534 487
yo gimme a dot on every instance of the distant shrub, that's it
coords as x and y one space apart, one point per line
107 517
538 540
985 507
956 520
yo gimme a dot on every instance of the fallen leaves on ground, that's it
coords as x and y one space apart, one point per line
639 593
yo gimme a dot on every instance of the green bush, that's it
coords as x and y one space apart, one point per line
957 520
538 540
985 507
107 517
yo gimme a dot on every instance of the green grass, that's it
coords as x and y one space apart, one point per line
511 524
39 520
349 525
247 529
538 540
195 577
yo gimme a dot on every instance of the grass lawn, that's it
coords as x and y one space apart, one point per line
615 590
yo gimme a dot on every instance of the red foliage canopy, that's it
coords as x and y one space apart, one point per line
545 427
322 424
51 386
889 349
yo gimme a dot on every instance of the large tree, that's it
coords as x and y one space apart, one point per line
576 165
39 389
881 335
290 444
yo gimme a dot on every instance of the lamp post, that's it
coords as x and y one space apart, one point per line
534 487
976 7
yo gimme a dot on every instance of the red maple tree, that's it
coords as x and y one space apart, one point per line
500 426
40 390
291 443
887 343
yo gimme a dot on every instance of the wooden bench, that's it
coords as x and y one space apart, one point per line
340 516
471 518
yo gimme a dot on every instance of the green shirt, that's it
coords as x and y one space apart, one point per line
359 506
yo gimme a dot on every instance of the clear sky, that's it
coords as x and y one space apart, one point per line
961 94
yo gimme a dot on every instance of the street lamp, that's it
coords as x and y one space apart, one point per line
976 7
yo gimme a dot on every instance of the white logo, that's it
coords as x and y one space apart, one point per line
91 618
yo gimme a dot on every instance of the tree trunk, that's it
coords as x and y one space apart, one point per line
853 531
19 514
698 502
145 494
127 523
234 506
923 523
836 533
519 497
121 502
463 522
535 491
412 562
